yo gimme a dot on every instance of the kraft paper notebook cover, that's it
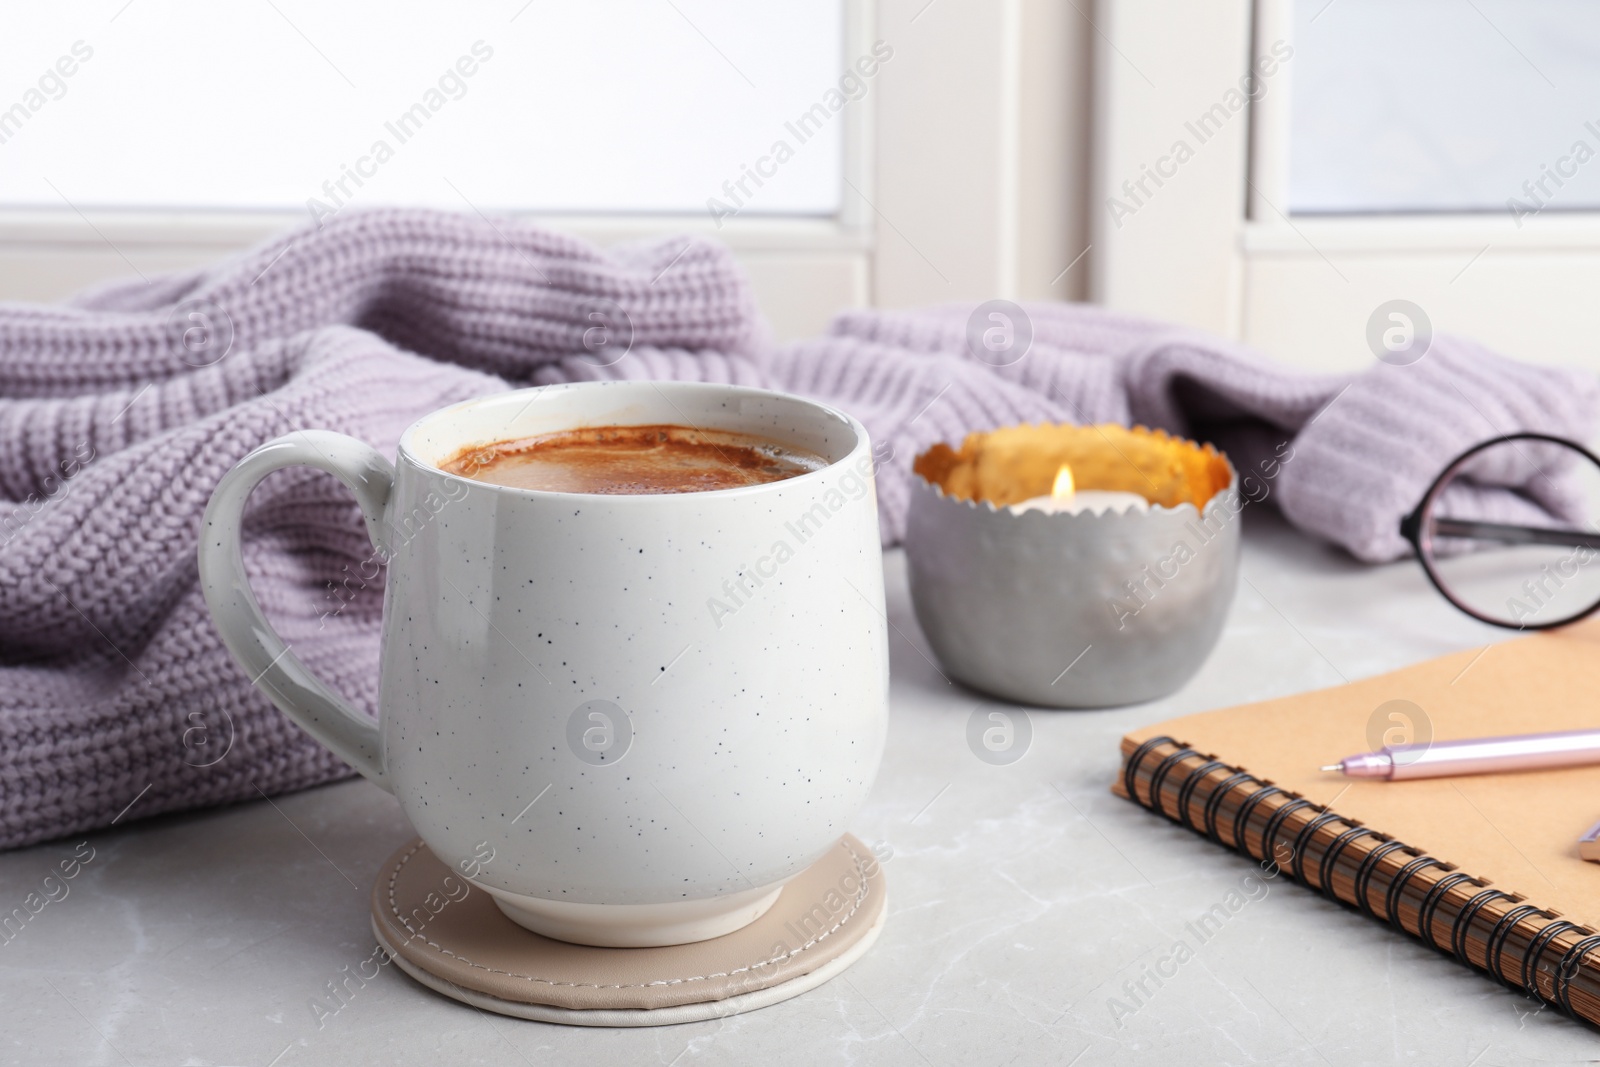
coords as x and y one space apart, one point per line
1485 867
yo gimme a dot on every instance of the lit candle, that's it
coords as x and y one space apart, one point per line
1066 498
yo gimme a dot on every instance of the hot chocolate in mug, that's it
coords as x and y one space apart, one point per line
651 710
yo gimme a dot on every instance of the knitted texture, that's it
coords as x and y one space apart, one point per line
120 411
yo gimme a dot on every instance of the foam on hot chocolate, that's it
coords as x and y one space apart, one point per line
623 460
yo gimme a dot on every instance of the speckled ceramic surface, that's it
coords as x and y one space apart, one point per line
454 941
605 700
1072 610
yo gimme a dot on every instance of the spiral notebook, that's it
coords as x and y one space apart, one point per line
1484 867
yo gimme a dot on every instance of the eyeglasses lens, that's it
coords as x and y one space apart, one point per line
1512 534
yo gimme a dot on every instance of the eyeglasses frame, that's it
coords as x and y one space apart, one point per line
1422 543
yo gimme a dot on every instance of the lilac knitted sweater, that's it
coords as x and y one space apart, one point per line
119 412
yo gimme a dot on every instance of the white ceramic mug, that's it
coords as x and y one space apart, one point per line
630 718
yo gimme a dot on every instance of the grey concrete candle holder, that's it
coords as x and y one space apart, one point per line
1072 611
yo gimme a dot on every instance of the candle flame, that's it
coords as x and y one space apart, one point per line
1063 488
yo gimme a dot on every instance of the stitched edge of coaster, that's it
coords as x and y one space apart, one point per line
855 906
666 1015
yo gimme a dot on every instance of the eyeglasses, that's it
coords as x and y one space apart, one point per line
1510 532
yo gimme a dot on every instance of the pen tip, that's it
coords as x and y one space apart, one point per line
1332 767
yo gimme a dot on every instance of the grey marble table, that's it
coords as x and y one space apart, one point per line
1022 898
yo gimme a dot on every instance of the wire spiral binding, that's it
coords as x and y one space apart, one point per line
1368 868
1331 854
1430 904
1275 821
1495 947
1130 773
1186 791
1214 802
1307 834
1567 968
1241 820
1158 780
1397 888
1536 947
1469 911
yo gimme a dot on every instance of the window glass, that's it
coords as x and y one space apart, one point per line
608 106
1445 105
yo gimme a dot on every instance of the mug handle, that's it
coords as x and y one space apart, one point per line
256 647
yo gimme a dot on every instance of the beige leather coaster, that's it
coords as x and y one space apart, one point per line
452 938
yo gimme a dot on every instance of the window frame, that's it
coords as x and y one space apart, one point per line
987 201
1217 250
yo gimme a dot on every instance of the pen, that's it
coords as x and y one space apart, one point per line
1589 844
1475 755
